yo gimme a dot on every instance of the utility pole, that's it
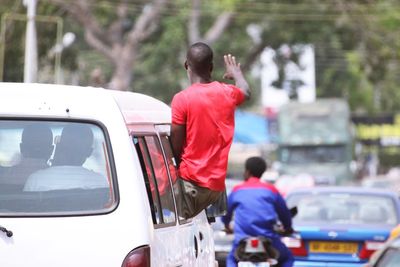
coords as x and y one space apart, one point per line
31 54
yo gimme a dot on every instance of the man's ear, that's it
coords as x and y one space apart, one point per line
246 174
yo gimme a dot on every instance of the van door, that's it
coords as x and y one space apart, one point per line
166 247
196 233
177 242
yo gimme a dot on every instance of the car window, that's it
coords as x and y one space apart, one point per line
172 167
157 180
390 258
343 208
54 167
149 178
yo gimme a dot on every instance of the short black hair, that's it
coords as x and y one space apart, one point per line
256 166
37 141
75 145
200 58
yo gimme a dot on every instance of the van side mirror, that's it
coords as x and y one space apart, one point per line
217 209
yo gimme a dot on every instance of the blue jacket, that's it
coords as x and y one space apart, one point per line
257 206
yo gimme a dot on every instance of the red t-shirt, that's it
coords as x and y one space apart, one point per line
207 110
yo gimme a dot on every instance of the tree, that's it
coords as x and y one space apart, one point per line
140 45
119 39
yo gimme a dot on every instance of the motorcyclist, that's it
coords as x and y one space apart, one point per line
258 206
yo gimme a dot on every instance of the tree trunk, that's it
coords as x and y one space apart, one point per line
122 76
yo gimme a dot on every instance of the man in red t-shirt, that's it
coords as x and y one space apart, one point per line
203 126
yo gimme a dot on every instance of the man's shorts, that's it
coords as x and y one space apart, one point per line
196 198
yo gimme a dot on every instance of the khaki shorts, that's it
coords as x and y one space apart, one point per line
196 198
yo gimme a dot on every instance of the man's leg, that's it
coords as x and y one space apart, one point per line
196 198
230 259
286 258
219 207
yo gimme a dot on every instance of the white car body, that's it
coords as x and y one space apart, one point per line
106 237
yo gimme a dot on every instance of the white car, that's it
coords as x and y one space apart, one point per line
112 203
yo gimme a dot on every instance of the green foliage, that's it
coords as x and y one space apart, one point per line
356 43
14 43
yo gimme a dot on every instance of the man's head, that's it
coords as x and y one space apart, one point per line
37 141
199 60
254 167
75 145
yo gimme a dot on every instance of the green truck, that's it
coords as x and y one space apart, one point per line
316 139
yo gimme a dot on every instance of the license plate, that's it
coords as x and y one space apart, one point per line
253 264
333 247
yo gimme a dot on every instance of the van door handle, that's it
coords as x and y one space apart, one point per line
196 247
201 245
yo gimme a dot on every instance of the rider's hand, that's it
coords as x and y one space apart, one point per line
289 231
228 229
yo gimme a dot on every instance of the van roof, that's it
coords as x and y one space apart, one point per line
35 99
139 108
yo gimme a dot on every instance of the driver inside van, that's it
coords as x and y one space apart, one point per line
67 172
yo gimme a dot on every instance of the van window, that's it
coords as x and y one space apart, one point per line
166 143
157 179
149 177
50 167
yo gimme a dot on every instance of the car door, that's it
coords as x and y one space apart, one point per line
166 247
177 242
195 234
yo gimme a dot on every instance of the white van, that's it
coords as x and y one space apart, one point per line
112 203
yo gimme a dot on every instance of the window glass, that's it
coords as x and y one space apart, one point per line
53 167
173 171
150 180
161 175
156 178
391 258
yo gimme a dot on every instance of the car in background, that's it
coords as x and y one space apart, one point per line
382 181
387 256
286 183
340 226
395 232
223 240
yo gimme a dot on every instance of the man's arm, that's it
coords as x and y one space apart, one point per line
283 212
178 137
228 216
233 72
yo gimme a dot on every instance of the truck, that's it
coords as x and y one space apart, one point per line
316 139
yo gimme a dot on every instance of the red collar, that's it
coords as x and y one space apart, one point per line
253 179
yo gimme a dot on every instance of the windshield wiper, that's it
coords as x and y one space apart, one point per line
8 232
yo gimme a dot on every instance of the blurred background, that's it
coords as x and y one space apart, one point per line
324 74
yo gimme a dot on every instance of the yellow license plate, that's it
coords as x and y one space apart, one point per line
333 247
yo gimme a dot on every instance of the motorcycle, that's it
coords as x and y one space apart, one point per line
258 251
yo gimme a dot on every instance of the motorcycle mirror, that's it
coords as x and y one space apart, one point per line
293 211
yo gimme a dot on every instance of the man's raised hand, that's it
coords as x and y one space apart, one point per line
232 69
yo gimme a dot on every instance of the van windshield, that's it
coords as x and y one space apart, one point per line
50 167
